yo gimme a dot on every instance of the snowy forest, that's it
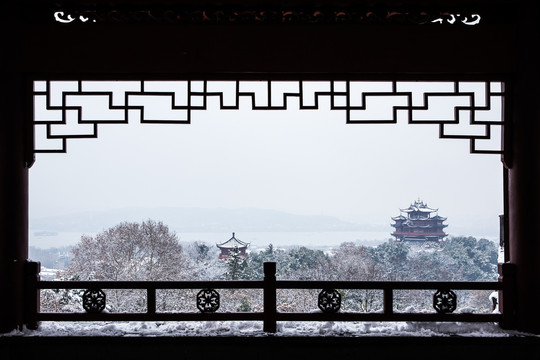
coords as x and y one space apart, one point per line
150 251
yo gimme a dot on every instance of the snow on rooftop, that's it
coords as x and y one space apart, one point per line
419 206
233 242
254 329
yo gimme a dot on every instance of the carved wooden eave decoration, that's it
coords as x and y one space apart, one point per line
455 13
190 37
342 43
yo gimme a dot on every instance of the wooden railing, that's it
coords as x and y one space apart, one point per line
270 315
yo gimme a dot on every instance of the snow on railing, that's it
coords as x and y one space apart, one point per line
208 301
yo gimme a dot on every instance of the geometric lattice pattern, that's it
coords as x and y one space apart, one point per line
94 300
472 110
208 300
329 301
444 301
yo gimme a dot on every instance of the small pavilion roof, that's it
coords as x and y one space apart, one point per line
233 242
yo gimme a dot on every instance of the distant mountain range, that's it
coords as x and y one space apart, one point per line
197 220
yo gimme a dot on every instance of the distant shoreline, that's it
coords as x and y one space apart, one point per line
256 239
45 233
261 239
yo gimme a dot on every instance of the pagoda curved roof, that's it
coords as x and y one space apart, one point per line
437 217
419 206
419 226
232 243
400 217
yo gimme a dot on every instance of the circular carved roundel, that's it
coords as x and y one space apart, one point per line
93 300
208 300
329 301
445 301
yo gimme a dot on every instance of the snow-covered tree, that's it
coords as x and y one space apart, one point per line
62 300
148 251
392 257
474 260
303 263
355 263
131 251
235 265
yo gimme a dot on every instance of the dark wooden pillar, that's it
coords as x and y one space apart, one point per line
14 177
270 312
524 174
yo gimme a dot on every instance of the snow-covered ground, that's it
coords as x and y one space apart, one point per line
247 328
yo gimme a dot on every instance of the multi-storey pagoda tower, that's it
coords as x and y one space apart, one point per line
228 246
420 223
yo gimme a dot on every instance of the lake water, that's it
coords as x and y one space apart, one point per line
256 239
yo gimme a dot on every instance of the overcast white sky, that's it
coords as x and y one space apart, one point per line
302 162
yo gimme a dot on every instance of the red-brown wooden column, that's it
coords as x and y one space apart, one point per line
524 175
13 178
